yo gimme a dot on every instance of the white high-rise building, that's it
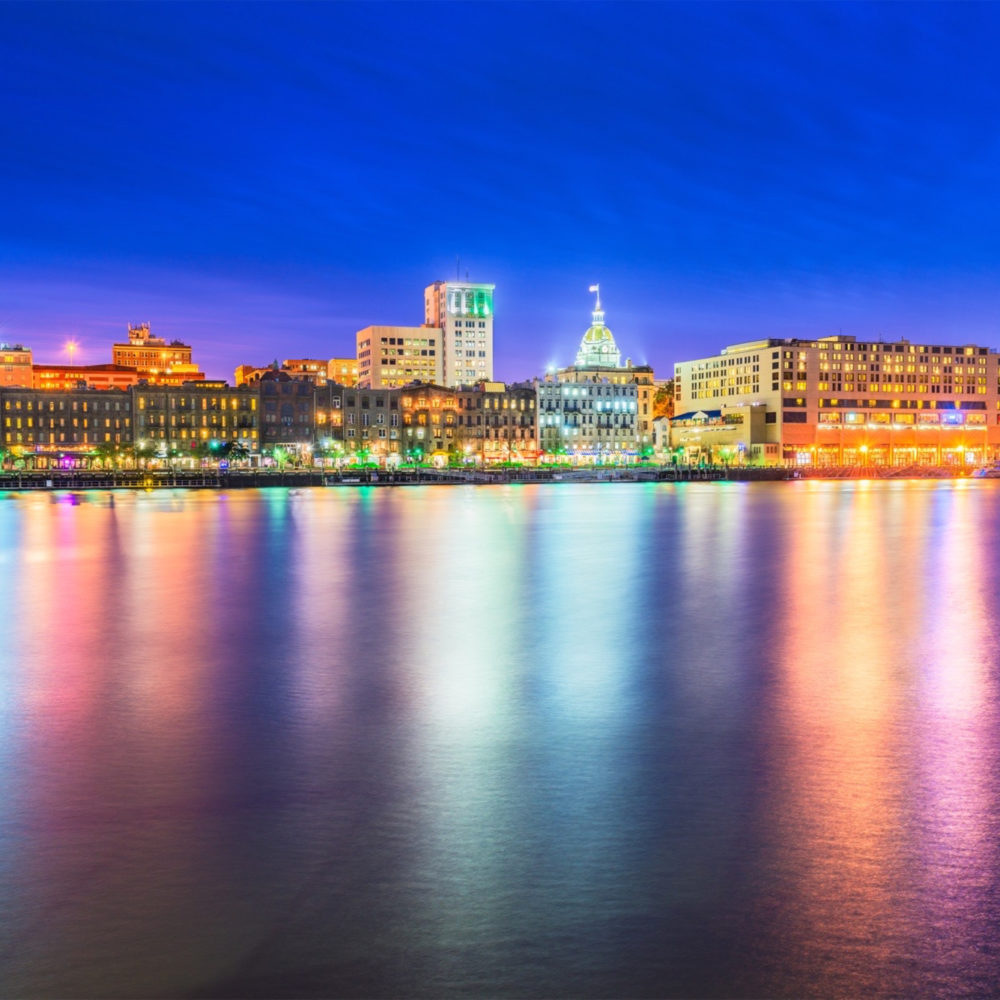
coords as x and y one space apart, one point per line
464 311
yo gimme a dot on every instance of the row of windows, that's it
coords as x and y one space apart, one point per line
906 418
408 341
575 392
85 438
88 405
61 422
214 420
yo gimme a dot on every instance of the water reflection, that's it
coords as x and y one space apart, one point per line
651 740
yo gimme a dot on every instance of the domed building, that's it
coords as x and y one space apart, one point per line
598 348
598 410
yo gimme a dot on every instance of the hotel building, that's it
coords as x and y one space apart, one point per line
157 361
837 401
463 312
391 356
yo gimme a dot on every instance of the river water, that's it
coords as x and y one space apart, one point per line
562 740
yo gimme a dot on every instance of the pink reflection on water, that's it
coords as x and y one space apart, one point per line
956 691
841 705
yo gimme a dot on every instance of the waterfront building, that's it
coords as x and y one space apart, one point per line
463 312
430 423
343 371
287 413
395 355
587 420
15 365
598 410
497 422
733 434
156 360
49 427
175 421
60 376
837 401
357 424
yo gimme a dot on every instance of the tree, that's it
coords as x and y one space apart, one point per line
107 454
663 400
144 451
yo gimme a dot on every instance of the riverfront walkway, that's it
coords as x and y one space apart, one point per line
84 479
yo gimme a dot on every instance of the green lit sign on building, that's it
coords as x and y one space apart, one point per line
472 301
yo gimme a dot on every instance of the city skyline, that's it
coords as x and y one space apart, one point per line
296 175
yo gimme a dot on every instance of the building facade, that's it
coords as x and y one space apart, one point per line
156 360
463 312
598 410
838 401
498 423
175 421
250 374
391 356
16 365
60 376
311 369
587 421
287 413
430 424
343 371
356 424
46 427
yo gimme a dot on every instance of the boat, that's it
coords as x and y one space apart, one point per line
987 471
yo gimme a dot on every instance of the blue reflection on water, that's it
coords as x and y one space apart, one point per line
651 740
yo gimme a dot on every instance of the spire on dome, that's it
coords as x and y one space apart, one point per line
598 347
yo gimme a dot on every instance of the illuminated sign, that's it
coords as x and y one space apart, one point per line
473 301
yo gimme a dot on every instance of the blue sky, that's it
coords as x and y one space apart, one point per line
263 180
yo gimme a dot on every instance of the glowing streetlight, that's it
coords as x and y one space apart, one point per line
71 348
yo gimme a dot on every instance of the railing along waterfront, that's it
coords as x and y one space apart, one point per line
86 479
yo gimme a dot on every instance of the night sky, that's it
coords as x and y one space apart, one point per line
263 180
